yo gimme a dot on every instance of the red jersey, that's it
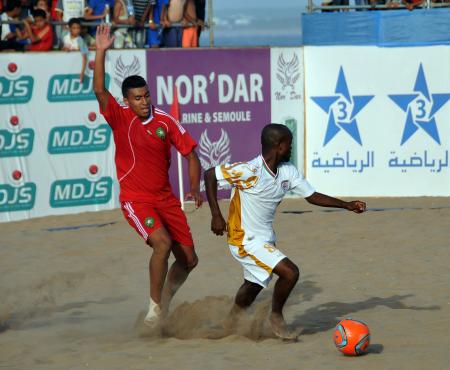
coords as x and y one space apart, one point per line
46 38
143 151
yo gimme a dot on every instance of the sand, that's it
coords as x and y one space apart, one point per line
73 290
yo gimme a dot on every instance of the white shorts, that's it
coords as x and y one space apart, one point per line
258 260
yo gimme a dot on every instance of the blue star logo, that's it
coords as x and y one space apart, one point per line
420 108
342 109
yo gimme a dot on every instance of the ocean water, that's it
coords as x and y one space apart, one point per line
256 27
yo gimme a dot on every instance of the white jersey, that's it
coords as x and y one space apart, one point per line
75 44
257 191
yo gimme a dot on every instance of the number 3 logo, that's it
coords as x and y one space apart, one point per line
421 108
342 110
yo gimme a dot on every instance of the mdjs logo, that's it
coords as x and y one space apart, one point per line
67 87
15 89
20 196
79 138
82 191
15 142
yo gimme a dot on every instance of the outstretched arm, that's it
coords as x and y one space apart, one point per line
323 200
218 224
83 66
103 42
194 179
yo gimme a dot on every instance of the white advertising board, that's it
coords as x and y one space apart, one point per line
56 150
378 120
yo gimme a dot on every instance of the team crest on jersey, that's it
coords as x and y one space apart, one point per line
285 185
149 222
160 133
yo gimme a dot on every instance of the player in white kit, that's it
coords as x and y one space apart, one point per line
258 188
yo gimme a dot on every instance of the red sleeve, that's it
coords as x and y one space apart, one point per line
46 39
113 111
179 137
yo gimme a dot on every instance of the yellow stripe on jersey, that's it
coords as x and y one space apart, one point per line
243 253
235 231
234 177
261 264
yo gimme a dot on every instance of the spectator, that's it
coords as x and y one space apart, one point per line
42 4
200 6
53 11
189 23
66 10
153 14
74 42
141 11
123 14
411 4
98 10
40 33
10 33
172 12
26 10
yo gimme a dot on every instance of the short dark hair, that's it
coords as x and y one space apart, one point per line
132 82
272 134
74 21
39 13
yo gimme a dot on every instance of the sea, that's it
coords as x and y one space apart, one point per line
255 27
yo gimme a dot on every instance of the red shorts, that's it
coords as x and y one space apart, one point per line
145 218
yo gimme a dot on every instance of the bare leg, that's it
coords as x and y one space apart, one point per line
185 261
288 276
160 242
245 296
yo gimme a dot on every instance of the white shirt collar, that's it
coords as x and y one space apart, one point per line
150 117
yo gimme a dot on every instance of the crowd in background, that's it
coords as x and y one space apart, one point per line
42 25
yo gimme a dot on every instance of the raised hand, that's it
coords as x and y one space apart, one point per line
103 39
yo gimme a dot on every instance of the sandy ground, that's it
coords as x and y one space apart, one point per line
73 291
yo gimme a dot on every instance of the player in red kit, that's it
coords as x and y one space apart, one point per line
143 136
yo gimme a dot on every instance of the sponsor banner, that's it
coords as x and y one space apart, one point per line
56 150
224 98
287 79
378 126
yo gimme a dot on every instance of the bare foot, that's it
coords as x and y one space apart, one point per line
280 328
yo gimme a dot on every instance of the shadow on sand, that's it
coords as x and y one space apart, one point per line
204 318
325 316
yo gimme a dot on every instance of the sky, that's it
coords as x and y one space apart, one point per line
257 22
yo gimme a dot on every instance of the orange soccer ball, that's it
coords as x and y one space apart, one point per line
351 337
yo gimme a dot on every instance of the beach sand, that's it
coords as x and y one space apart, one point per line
73 291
